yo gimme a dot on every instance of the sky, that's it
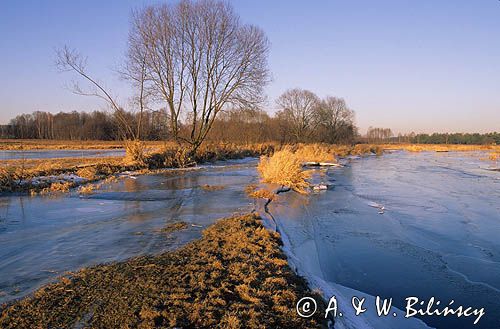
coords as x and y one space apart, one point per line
422 65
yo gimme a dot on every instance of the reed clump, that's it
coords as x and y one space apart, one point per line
134 152
284 168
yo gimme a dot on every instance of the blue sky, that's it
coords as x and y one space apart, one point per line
424 66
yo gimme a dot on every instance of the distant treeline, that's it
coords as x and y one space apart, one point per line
333 123
241 125
385 135
454 138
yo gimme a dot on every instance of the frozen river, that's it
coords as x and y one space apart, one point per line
49 154
438 235
42 237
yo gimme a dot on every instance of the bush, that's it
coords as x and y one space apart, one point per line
284 168
134 151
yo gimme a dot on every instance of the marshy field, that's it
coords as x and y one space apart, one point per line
99 241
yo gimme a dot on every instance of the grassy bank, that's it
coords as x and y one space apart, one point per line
235 276
55 175
62 174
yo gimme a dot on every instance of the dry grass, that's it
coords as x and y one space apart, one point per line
13 172
254 192
494 156
57 187
87 189
235 276
171 155
134 152
89 173
315 153
174 227
284 168
207 187
39 144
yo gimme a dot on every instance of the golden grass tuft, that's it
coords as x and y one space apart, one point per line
88 172
208 187
87 189
284 168
58 187
173 227
134 152
262 194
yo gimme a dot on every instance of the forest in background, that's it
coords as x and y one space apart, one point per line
237 126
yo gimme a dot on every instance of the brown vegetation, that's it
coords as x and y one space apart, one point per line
173 227
494 156
235 276
37 144
23 175
315 152
254 192
284 168
207 187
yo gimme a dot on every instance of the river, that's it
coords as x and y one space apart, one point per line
437 234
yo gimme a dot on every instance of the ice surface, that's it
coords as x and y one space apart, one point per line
438 235
42 237
48 154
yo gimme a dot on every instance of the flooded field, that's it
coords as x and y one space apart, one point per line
50 154
399 225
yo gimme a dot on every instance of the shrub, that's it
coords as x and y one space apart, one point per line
134 151
284 168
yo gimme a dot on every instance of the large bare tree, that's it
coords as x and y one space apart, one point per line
299 108
199 60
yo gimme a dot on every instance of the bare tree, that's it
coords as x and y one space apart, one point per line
298 108
378 134
70 60
200 59
336 120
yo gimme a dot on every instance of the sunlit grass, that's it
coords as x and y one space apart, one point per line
284 168
235 275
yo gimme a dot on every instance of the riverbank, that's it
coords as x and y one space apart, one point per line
236 276
60 175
